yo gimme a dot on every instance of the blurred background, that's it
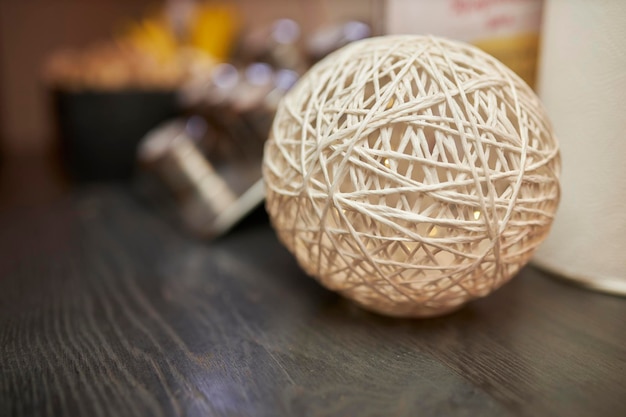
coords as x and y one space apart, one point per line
82 82
182 92
33 30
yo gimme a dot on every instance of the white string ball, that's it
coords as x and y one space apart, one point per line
411 174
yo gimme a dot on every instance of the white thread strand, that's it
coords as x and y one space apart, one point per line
411 174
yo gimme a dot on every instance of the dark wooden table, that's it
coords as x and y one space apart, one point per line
107 310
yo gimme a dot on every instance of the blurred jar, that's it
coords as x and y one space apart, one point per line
99 131
105 98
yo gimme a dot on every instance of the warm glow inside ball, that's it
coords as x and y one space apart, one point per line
411 174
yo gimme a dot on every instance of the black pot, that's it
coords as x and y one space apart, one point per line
99 131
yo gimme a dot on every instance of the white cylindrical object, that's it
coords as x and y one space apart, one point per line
582 82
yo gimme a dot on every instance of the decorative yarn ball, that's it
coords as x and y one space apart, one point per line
411 174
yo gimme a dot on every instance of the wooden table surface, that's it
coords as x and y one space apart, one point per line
108 310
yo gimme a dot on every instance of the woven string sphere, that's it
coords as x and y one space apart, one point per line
411 174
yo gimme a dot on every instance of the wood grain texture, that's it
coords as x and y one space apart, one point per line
107 310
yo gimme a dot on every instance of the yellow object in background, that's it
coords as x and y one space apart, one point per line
212 29
156 52
154 37
518 52
508 30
